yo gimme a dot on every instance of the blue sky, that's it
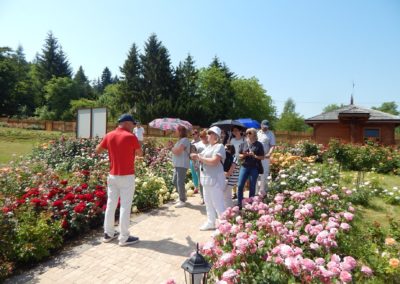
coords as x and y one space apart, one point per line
310 51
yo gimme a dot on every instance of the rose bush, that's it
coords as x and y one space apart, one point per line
60 191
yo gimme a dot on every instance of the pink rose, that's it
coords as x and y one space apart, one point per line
366 270
345 276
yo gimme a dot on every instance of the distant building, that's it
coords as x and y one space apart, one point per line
354 124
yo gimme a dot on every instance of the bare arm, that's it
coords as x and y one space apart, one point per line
178 150
139 152
213 161
100 149
270 152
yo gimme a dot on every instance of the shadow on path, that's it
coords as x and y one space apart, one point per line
167 246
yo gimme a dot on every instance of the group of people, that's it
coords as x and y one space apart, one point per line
216 168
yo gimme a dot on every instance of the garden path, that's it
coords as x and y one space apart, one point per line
167 237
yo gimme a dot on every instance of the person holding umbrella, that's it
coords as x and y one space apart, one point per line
212 177
180 159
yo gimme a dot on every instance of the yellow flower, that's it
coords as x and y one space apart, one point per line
394 262
390 241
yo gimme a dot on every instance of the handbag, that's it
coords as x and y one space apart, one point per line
260 167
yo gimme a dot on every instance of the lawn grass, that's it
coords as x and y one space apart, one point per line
16 142
378 210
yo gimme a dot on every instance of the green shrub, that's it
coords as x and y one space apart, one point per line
36 236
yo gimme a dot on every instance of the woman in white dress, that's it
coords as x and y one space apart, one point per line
212 177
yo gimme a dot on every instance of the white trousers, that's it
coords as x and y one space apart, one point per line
122 187
262 179
214 200
228 196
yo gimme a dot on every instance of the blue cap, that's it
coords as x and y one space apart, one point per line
265 123
126 117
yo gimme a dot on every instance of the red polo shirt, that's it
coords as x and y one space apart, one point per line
121 145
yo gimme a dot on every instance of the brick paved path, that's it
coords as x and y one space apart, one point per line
167 237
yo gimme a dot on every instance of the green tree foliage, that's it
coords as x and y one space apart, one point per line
131 82
8 80
84 88
388 107
215 96
252 100
290 120
187 98
53 62
106 79
58 93
332 107
110 99
15 86
157 96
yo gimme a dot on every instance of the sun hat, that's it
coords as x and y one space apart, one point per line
216 130
126 117
265 123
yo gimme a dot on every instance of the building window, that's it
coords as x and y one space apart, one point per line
372 134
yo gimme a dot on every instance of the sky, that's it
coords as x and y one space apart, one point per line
310 51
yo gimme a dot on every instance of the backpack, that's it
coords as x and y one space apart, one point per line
228 161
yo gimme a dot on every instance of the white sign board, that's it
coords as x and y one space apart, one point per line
91 122
99 122
83 125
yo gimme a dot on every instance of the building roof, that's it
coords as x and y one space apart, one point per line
374 115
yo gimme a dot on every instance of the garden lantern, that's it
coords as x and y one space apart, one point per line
196 269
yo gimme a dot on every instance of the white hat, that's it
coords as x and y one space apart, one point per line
216 130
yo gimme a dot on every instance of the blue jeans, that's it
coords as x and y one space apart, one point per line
244 174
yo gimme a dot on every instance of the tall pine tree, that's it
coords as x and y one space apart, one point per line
187 100
131 82
106 79
157 96
53 62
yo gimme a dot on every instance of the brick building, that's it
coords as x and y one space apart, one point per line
354 124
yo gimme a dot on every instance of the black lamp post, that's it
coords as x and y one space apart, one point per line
196 269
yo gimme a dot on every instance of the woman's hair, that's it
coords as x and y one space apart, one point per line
182 131
251 130
230 148
203 133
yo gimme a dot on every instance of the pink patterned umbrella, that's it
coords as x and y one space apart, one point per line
170 123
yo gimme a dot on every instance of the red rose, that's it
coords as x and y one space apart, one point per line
64 182
84 185
35 201
100 194
69 196
99 187
6 210
21 201
89 197
58 203
43 203
64 224
80 207
85 172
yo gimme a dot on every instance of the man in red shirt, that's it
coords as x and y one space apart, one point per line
122 146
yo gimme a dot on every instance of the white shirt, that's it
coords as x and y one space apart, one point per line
209 152
139 131
267 138
237 142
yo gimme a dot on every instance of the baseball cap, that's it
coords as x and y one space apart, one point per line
126 117
216 130
265 123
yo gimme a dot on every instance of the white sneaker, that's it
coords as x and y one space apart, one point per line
180 204
207 227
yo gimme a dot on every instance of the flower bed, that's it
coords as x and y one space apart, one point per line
60 192
305 231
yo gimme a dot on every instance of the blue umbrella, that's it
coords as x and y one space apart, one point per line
249 123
